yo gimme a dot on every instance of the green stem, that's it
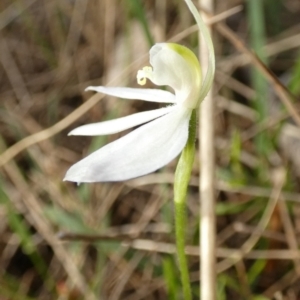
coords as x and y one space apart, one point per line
182 178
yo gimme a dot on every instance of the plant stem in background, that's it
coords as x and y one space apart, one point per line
207 171
257 35
182 178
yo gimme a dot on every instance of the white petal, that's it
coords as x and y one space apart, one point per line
152 95
140 152
118 125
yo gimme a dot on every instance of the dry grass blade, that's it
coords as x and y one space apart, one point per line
283 93
290 232
35 210
279 179
14 74
12 12
45 134
168 248
210 21
207 225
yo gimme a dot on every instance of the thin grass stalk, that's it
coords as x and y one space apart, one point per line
257 37
207 169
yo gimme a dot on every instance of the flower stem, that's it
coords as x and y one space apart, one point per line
182 178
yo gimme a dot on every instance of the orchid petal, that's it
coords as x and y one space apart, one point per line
138 153
153 95
120 124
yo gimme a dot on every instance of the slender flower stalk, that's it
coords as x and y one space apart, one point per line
181 182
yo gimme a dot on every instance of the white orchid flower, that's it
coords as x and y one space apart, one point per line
156 143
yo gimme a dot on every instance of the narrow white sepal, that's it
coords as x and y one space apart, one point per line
210 73
118 125
153 95
138 153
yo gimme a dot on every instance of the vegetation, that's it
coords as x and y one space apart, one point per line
117 240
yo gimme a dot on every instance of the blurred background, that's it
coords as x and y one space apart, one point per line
116 241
